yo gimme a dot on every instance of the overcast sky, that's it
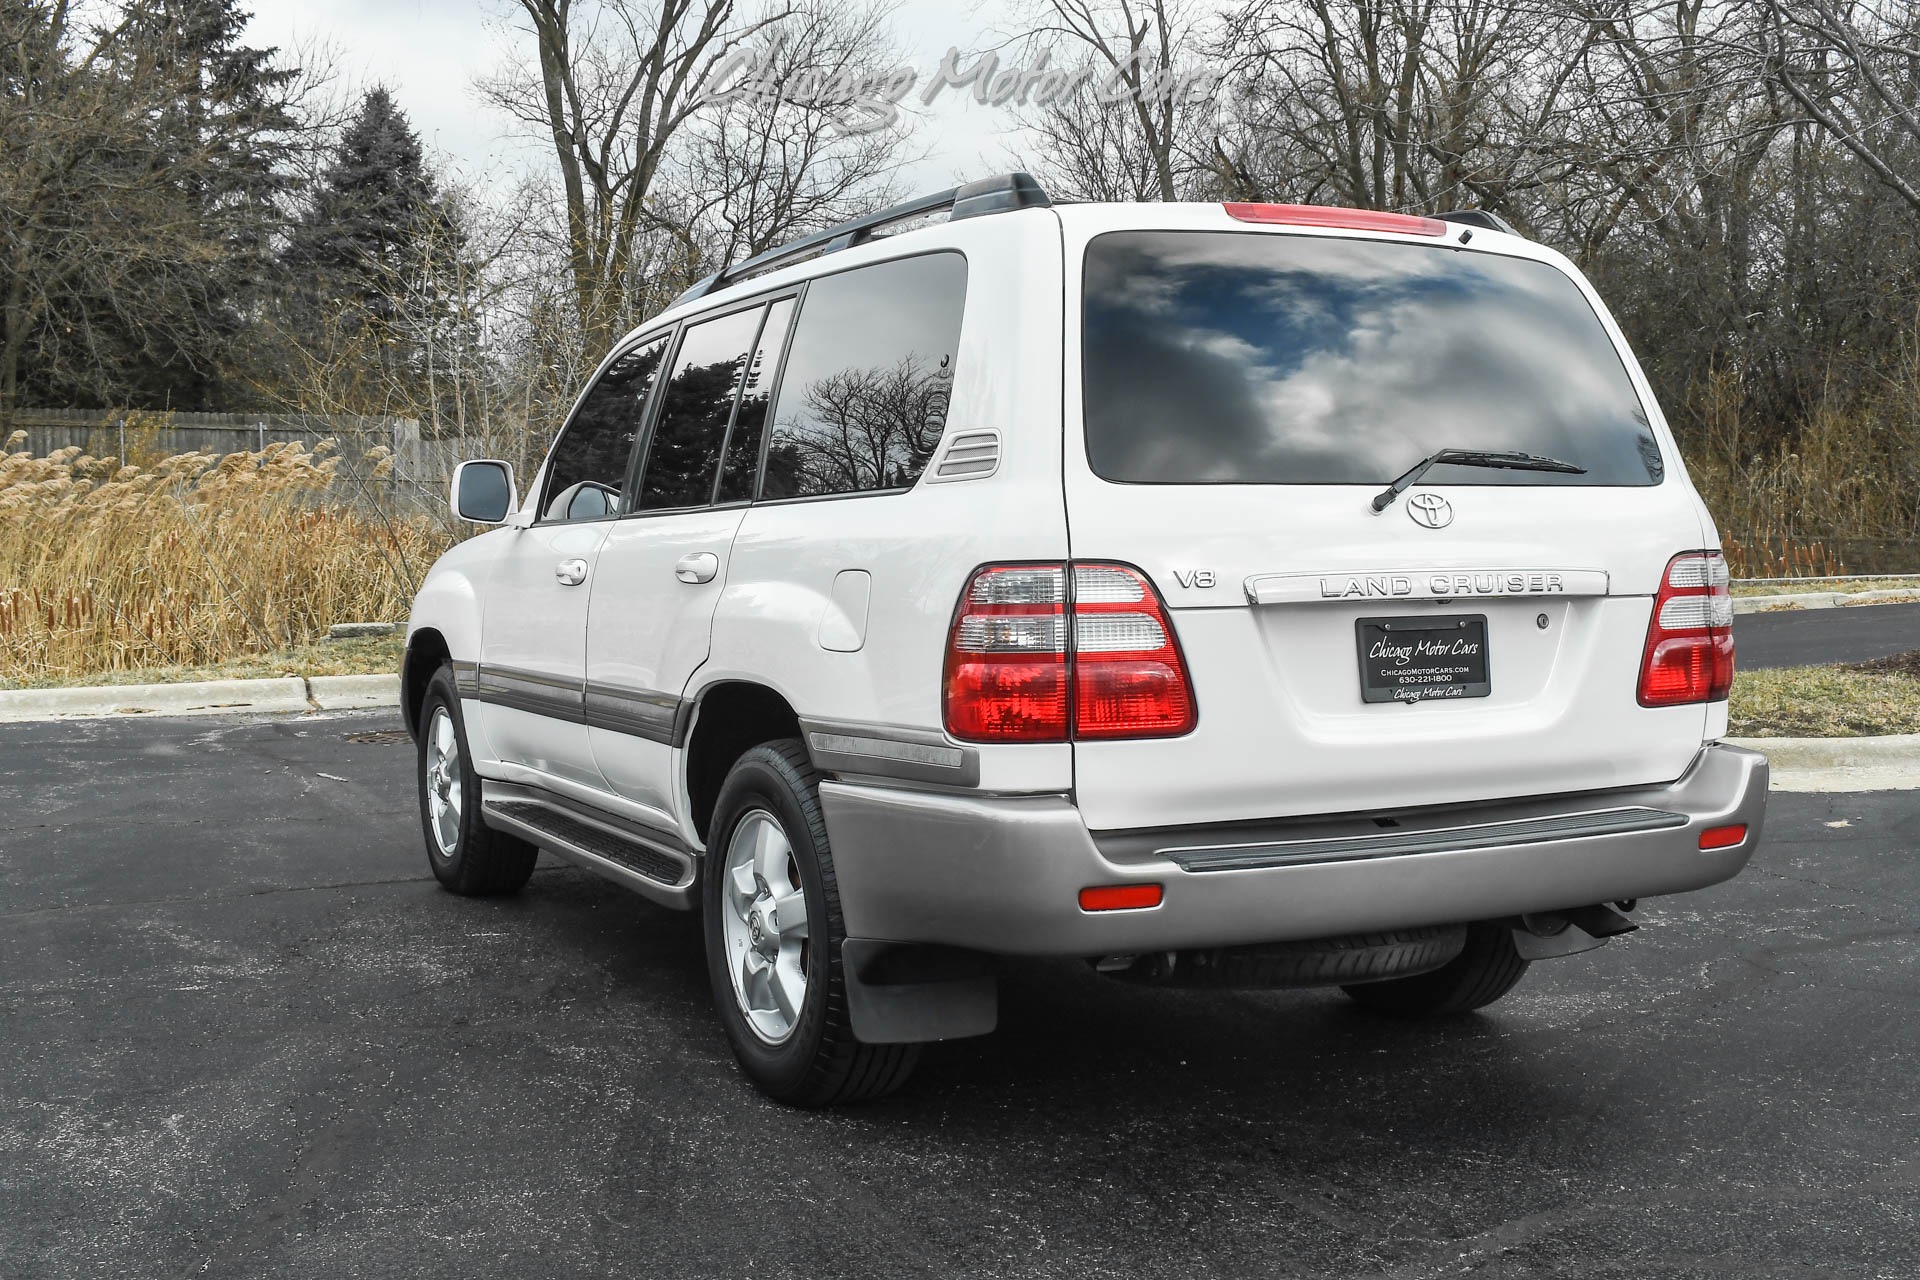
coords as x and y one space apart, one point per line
427 52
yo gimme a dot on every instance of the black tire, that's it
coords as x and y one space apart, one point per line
473 859
1487 968
818 1062
1316 962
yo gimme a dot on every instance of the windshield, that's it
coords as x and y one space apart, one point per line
1222 357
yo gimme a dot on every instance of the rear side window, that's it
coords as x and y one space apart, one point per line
589 467
696 406
1238 358
863 398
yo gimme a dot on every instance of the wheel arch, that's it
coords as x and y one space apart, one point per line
427 652
730 718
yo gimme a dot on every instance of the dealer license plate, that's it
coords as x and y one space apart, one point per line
1416 658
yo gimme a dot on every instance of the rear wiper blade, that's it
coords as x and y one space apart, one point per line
1472 458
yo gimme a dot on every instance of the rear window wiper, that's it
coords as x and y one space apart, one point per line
1473 458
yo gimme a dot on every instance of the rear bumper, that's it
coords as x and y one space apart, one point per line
1003 874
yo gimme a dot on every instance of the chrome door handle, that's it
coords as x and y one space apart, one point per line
571 572
701 566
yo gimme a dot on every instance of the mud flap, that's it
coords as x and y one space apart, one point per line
904 993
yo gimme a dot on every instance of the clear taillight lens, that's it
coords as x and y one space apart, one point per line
1129 680
1689 653
1029 660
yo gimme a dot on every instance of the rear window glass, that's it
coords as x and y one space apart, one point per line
1236 358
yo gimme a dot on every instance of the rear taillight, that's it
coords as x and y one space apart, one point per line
1048 652
1689 653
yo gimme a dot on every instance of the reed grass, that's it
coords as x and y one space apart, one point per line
191 560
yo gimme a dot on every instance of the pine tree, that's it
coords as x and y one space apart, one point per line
360 242
139 197
373 257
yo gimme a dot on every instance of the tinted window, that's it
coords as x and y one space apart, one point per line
863 399
749 422
1269 359
696 404
589 468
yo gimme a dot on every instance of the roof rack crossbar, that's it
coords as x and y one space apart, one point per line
1001 194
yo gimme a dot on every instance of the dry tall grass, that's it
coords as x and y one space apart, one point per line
1844 484
193 559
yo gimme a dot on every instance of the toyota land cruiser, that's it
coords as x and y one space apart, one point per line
1227 595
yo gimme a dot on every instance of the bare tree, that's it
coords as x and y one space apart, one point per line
1134 131
1412 105
755 171
1855 70
615 85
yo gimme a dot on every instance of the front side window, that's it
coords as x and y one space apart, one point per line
863 397
696 406
588 473
1222 357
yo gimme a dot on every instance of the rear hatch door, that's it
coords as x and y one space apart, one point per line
1245 395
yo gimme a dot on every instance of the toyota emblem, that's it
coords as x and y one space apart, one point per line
1431 510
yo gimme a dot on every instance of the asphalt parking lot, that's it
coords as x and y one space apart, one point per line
1808 637
247 1035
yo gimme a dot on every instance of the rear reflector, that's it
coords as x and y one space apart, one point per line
1036 655
1314 215
1689 652
1120 897
1723 837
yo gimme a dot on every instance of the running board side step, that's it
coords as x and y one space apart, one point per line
655 864
1400 844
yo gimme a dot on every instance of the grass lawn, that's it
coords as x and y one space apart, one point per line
1785 588
374 655
1858 700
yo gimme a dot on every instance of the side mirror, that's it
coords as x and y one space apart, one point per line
483 491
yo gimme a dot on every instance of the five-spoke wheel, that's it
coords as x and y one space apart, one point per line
442 791
467 856
773 932
766 926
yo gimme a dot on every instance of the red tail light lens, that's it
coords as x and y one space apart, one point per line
1044 652
1689 653
1006 677
1314 215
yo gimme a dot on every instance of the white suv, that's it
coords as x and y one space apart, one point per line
1228 595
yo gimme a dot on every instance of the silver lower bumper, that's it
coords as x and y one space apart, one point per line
1003 874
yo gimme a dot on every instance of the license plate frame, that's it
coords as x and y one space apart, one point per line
1419 670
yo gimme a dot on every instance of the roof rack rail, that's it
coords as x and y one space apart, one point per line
1478 218
1000 194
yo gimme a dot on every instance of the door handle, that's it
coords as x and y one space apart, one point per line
699 567
571 572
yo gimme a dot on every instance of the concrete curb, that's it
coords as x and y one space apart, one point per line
1895 750
1819 600
1888 763
351 693
201 697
